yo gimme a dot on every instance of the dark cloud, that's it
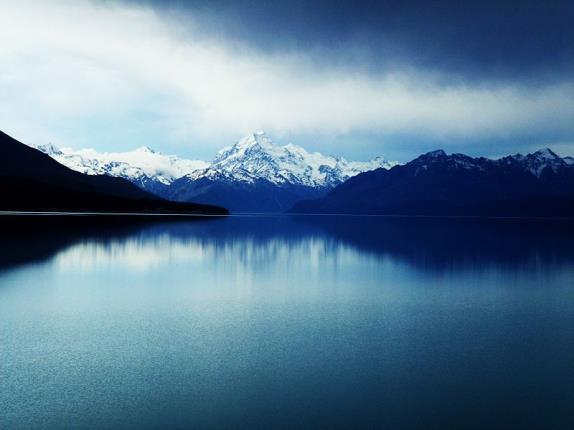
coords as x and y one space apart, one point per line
486 40
97 73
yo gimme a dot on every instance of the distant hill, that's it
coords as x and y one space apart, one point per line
31 180
537 184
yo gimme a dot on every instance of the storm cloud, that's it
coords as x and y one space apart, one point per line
76 71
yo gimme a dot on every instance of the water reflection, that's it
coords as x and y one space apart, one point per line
286 322
255 242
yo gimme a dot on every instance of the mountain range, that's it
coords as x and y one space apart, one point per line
253 175
144 167
32 181
536 184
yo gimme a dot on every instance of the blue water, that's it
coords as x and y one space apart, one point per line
279 322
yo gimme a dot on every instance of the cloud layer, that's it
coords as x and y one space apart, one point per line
79 62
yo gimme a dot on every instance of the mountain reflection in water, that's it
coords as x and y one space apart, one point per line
286 322
433 244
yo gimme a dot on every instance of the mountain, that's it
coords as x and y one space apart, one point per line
33 181
146 168
537 184
255 175
255 157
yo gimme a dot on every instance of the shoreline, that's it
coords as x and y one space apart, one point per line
260 214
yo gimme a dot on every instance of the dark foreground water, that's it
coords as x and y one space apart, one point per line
287 323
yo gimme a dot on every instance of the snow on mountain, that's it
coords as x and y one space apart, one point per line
436 183
256 157
440 157
534 163
253 158
139 166
538 161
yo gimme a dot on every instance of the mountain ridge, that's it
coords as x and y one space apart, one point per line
254 174
233 161
256 157
436 183
149 169
34 181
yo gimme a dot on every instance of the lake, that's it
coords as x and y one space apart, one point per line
286 322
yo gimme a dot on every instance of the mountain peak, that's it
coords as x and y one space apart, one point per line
253 139
146 149
546 153
256 157
243 147
49 149
439 153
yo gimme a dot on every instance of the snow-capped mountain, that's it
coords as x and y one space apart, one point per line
249 169
535 163
33 181
256 158
255 175
538 161
144 167
435 183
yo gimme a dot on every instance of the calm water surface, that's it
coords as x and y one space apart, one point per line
278 322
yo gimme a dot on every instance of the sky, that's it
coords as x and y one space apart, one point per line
357 79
